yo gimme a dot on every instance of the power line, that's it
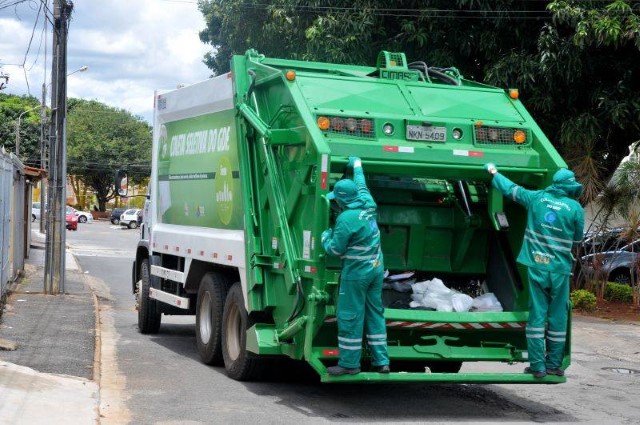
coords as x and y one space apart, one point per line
26 54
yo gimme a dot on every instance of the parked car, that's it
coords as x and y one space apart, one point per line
35 211
616 264
83 216
115 215
71 219
130 218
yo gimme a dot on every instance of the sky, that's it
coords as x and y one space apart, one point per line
131 48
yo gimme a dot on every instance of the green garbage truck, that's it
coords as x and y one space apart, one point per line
242 164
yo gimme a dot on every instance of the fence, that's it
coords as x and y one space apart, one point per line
14 219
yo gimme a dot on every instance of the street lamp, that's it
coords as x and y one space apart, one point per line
18 128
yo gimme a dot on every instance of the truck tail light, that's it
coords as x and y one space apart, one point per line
348 126
500 135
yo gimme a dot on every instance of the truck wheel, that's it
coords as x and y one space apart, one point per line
133 225
445 367
240 364
211 296
148 317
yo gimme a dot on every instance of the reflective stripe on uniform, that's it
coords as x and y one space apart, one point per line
377 342
562 248
340 338
346 347
513 193
556 339
535 336
362 248
377 336
535 329
360 257
556 333
553 238
335 252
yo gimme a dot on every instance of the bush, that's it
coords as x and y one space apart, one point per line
581 299
618 292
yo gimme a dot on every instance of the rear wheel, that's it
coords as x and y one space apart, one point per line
240 364
115 221
82 219
133 225
209 309
148 317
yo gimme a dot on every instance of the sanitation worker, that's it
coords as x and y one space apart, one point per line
356 240
555 222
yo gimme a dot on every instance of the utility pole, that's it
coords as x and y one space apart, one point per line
43 150
43 142
56 236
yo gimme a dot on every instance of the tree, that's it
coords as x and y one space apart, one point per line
576 62
10 109
101 140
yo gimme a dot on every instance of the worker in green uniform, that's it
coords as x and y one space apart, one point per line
555 222
356 240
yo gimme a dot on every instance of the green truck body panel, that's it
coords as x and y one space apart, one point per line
437 210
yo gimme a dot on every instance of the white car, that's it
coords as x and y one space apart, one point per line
35 211
130 218
83 216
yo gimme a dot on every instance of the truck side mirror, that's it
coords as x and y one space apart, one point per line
122 183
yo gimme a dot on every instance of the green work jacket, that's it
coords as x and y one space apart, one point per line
555 223
355 237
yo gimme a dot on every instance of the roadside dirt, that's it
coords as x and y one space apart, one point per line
618 312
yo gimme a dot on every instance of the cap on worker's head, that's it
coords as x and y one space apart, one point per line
565 179
345 192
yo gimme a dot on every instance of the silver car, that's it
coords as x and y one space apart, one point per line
616 264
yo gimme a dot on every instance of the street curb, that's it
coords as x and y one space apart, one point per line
97 350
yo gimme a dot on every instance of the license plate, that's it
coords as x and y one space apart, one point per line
426 134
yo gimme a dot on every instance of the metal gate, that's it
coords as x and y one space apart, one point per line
12 219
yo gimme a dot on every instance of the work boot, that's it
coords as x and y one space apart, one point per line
535 373
381 369
557 372
339 370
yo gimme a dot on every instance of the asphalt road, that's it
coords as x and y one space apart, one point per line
158 379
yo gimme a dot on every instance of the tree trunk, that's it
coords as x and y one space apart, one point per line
75 185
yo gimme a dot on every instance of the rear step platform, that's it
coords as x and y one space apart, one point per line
458 378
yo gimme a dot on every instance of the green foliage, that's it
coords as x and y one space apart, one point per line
618 292
11 107
584 300
101 140
576 62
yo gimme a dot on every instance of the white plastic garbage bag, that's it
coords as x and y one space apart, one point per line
461 302
487 302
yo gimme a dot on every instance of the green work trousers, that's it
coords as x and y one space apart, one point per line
548 305
360 306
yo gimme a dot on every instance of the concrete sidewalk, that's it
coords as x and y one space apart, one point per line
49 377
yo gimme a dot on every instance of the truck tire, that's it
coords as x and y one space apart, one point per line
133 224
240 364
148 317
210 306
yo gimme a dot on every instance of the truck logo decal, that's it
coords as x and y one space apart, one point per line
224 191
